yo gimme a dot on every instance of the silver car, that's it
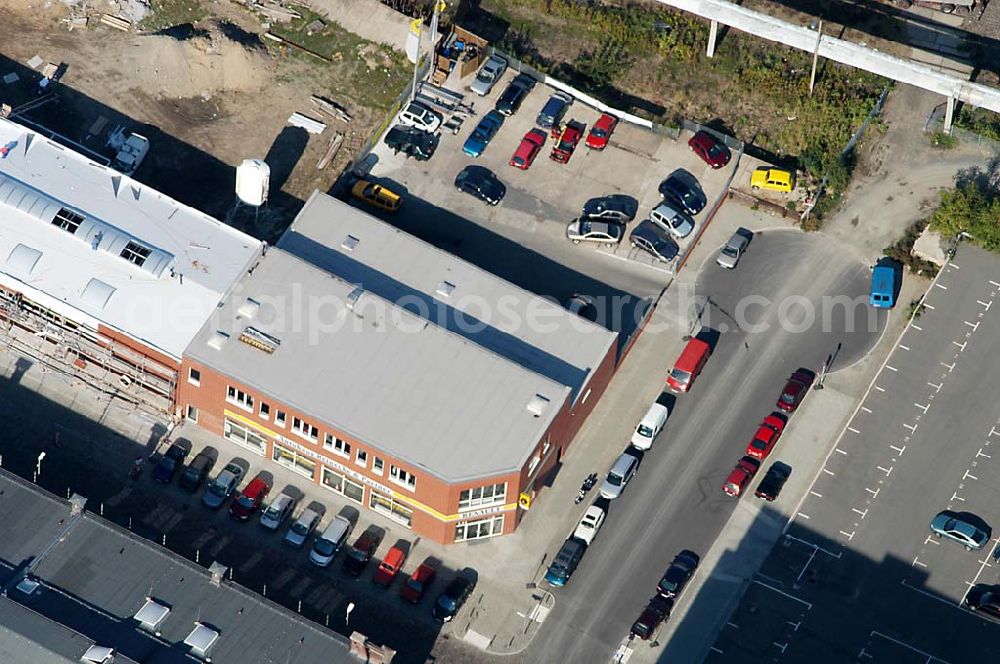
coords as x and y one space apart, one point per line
222 486
619 476
488 75
958 527
730 254
672 220
302 528
592 230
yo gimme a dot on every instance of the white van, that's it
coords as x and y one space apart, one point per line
651 425
277 511
327 544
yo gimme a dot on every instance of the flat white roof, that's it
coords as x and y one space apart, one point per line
99 247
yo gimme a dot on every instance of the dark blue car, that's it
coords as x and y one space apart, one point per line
169 464
483 134
565 562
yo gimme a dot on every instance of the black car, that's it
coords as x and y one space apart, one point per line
358 555
480 182
451 600
412 142
196 472
654 240
615 207
984 600
683 189
565 562
168 465
678 574
770 486
656 611
510 99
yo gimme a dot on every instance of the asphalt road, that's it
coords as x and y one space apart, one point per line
861 579
676 502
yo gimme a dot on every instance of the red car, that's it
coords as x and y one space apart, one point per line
249 499
713 151
795 390
740 476
389 567
766 437
601 132
568 141
526 152
418 583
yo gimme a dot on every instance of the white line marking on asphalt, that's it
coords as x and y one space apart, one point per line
770 578
818 495
714 649
864 654
804 516
782 592
949 366
880 389
849 535
916 561
967 476
916 327
955 496
941 286
887 471
634 262
863 514
993 431
873 492
995 284
733 625
931 540
937 387
912 428
980 454
853 430
921 407
927 306
954 266
828 472
841 451
795 625
780 645
904 347
805 567
960 345
974 326
867 410
983 565
891 368
899 450
810 544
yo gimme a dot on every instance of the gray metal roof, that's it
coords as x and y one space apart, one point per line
27 637
377 372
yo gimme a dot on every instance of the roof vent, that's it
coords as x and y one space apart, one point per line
354 296
445 289
99 655
97 293
218 340
22 260
260 340
538 405
248 308
151 615
218 572
27 585
350 242
201 639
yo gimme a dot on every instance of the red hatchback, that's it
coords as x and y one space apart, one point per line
568 141
418 583
740 476
389 567
249 499
795 390
526 152
713 151
601 132
766 437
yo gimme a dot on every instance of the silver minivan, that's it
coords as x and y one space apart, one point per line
619 476
302 528
277 511
326 545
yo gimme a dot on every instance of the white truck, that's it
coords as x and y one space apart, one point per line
130 151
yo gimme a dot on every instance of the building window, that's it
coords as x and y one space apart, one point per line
546 446
265 411
402 478
377 466
244 437
393 509
191 413
534 464
482 496
334 481
239 398
472 530
337 445
194 376
291 459
135 253
304 429
279 418
67 220
586 395
362 459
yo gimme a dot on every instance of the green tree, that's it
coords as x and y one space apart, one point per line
970 208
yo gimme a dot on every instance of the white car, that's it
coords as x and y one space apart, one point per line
420 116
488 76
672 220
650 425
591 522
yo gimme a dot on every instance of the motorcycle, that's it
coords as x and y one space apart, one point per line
585 488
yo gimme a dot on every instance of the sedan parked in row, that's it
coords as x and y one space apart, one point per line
795 390
678 574
740 476
511 98
412 142
672 220
389 567
568 140
591 522
531 144
620 475
984 600
451 600
481 182
600 133
196 472
277 511
657 610
302 528
962 528
249 500
491 72
654 240
711 150
222 486
683 189
565 562
418 583
421 116
590 230
169 464
483 134
361 552
614 207
766 437
770 487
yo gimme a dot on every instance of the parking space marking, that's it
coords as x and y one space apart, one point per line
984 563
898 450
930 658
974 326
916 327
922 407
891 368
911 427
985 304
967 476
632 261
782 592
980 454
842 451
815 547
949 367
937 387
849 536
927 306
714 649
916 561
873 492
941 286
829 472
955 496
954 266
818 495
880 389
995 284
733 625
887 471
867 410
960 345
804 516
904 347
862 513
853 430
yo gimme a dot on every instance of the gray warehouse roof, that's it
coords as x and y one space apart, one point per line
377 372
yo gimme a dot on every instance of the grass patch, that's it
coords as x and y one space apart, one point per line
168 13
943 141
979 121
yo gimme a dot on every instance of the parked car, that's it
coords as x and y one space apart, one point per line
565 562
483 134
730 254
167 466
655 241
984 600
563 150
657 610
377 195
531 144
591 522
621 473
600 133
412 142
419 115
326 545
689 364
555 108
361 552
222 486
683 189
614 207
585 229
766 437
773 481
482 183
450 601
389 567
302 528
740 476
491 72
882 293
196 472
712 151
418 583
277 511
650 426
775 179
960 527
510 99
678 574
672 220
795 390
249 500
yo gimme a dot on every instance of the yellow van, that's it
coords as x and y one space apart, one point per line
377 195
775 179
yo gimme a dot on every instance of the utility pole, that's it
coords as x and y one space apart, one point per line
819 36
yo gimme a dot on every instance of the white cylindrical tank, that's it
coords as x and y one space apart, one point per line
253 179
